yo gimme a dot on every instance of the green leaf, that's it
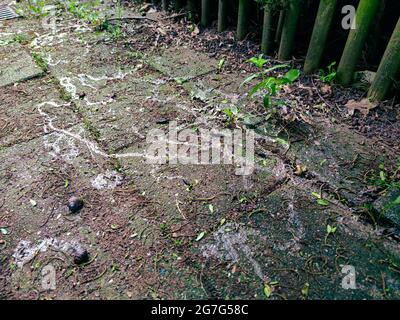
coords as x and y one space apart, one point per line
251 78
228 112
331 65
292 75
267 291
211 208
330 229
66 183
258 61
4 231
316 195
180 80
397 201
282 141
304 290
272 88
221 64
258 87
201 236
279 66
266 101
322 202
223 220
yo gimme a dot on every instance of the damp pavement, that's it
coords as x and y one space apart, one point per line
77 108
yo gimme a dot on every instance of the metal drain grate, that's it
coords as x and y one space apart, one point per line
7 13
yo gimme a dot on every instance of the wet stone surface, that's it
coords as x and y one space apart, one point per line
172 230
183 64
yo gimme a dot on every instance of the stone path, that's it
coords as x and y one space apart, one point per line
183 231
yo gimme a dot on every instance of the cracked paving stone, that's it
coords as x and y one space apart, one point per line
16 65
183 64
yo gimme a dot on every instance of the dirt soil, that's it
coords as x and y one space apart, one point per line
78 104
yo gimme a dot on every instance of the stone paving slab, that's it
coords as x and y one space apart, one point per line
173 230
279 244
182 64
16 65
218 89
37 179
116 109
339 157
20 117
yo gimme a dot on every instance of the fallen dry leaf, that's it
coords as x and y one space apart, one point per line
300 169
326 89
234 269
287 89
195 32
363 106
162 31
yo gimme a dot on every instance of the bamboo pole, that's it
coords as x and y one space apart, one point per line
289 29
322 25
366 12
280 26
205 13
178 4
242 19
388 68
165 4
375 35
266 43
191 5
222 15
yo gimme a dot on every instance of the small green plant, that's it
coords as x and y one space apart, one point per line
117 33
85 11
91 129
163 228
232 115
268 84
115 267
39 58
320 200
328 75
329 230
115 30
221 64
36 7
385 180
21 38
178 243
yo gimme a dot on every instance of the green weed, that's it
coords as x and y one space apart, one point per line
39 58
328 75
268 84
